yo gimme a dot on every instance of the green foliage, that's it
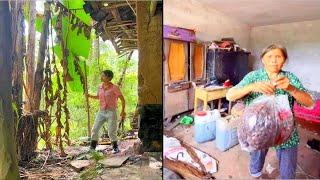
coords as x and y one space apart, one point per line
38 24
96 156
77 44
26 10
91 172
80 46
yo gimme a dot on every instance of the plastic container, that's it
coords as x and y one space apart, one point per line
226 132
205 126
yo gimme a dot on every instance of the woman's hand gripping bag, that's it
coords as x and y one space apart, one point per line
266 122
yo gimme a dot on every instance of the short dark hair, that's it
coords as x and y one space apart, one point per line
108 73
272 47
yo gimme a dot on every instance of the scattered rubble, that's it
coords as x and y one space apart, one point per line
81 163
187 161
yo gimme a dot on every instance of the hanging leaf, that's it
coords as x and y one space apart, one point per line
79 30
87 32
76 41
73 18
73 27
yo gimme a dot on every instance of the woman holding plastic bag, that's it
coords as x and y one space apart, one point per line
272 82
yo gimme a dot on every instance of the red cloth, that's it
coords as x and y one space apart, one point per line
308 114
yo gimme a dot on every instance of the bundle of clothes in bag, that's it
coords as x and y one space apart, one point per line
266 122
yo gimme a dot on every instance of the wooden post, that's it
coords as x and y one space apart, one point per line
87 99
150 76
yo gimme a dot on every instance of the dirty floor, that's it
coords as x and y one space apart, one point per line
234 163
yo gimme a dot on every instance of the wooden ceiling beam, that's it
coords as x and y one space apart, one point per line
120 25
116 5
109 36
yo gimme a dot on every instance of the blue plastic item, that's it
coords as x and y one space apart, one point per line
205 127
226 134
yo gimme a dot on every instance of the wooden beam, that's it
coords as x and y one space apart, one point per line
119 25
117 16
118 29
128 47
118 4
118 22
129 39
128 30
110 37
123 54
187 171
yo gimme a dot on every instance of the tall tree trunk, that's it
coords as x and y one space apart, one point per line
19 50
19 53
39 76
30 56
8 159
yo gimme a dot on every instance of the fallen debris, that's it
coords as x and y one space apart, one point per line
79 165
73 151
188 161
187 171
115 161
101 147
154 163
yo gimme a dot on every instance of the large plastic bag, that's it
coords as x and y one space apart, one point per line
266 122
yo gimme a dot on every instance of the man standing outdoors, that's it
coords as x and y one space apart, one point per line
108 95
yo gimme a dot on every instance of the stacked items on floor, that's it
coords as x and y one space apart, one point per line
210 125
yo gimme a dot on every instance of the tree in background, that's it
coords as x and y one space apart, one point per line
8 158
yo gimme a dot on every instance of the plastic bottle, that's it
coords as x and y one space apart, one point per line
205 126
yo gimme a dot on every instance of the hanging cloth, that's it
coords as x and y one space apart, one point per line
198 61
176 61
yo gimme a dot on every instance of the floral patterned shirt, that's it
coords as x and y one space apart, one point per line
261 75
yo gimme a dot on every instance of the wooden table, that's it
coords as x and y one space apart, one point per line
209 94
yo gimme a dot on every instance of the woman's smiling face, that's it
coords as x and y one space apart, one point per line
273 60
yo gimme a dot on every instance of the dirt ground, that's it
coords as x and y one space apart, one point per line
147 165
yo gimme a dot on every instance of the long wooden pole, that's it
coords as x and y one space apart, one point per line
87 99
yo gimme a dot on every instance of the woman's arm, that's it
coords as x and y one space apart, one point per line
263 87
301 97
237 93
93 97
